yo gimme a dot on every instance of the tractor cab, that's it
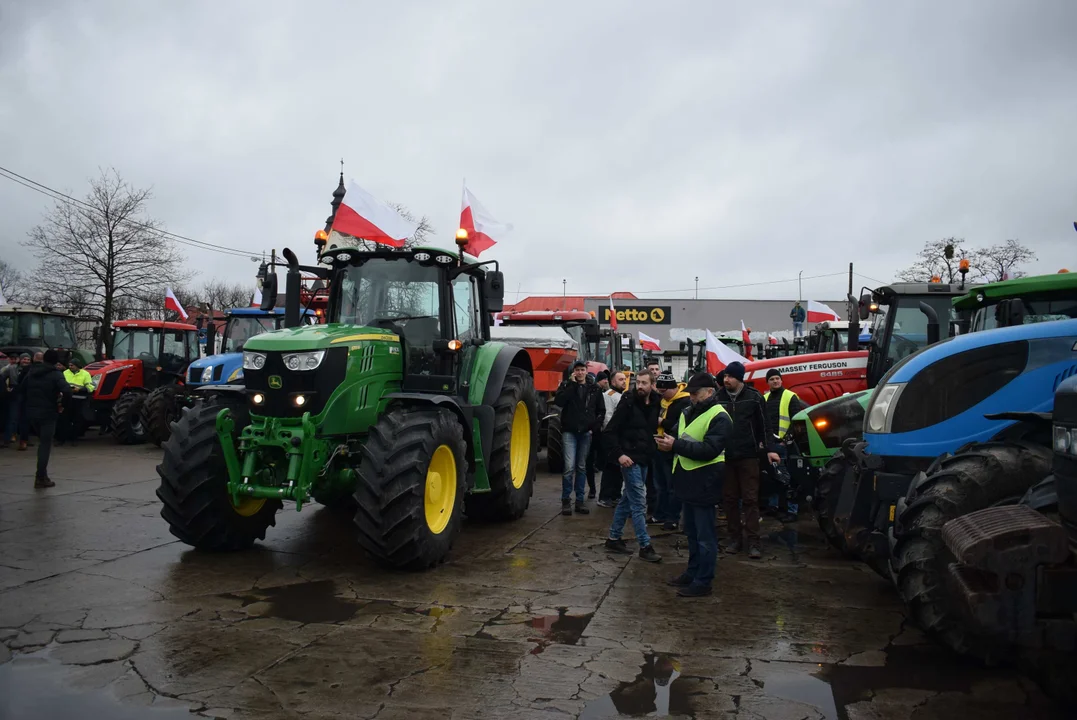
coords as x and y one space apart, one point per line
594 343
29 329
1021 301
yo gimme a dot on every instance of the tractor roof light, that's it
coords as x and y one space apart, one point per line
455 345
963 266
461 237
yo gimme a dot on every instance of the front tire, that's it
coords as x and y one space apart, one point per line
410 489
512 465
977 476
825 501
159 411
555 451
194 486
125 421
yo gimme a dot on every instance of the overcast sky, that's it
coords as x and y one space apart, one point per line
634 145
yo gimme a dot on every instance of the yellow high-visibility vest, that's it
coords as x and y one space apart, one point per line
696 431
784 421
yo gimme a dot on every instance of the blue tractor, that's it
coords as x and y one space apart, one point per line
215 374
939 400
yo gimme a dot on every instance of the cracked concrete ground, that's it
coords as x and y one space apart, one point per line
104 614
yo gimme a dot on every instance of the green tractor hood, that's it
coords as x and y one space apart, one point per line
317 337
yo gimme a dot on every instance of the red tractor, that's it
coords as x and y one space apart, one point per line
146 354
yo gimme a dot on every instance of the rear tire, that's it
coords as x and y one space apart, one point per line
825 501
514 458
977 476
555 451
159 411
409 512
125 420
194 486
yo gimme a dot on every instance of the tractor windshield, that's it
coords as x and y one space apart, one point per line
1041 307
241 328
7 329
908 325
383 293
56 331
136 343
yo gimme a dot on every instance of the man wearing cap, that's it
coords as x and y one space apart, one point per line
629 437
82 385
751 436
582 410
41 391
698 449
609 491
782 405
675 400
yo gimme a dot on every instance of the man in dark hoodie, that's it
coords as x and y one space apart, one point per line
698 448
751 436
41 392
629 437
582 410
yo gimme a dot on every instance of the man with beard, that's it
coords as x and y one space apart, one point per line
698 468
629 437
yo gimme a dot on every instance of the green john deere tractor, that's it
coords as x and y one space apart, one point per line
399 409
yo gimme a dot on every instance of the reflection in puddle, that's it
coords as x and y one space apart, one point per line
803 688
562 628
659 690
309 602
787 536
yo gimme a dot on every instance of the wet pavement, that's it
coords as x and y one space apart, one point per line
104 614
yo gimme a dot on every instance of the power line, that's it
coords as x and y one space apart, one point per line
881 282
692 289
64 198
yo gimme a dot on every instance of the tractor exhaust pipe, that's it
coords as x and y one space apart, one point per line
291 290
932 322
854 326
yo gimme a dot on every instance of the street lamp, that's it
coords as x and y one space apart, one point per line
564 288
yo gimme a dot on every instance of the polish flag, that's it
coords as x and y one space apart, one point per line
171 303
363 216
481 226
771 339
745 334
649 343
719 355
613 315
256 299
818 312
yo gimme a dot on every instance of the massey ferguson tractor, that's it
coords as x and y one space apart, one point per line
146 355
400 408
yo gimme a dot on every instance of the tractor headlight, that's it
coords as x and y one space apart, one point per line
1065 440
299 362
207 374
237 374
880 413
253 360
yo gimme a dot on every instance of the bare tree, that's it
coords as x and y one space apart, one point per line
12 285
104 251
938 258
419 237
1001 261
222 295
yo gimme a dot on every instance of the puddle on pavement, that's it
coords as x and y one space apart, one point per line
789 537
309 602
39 690
659 690
562 628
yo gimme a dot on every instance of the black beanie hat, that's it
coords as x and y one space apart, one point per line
700 381
665 381
773 372
51 357
602 375
735 370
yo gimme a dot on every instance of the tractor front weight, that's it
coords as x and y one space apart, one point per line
253 471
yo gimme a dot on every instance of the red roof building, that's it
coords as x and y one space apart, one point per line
561 302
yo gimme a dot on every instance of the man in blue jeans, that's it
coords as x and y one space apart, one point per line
582 411
630 437
698 466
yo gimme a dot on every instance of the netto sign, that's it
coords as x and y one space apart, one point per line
637 314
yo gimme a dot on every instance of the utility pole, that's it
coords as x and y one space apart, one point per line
564 288
697 287
849 302
800 290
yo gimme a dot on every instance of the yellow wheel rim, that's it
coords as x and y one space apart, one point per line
520 445
440 495
249 506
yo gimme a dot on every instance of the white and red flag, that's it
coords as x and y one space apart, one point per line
363 216
613 315
483 231
746 335
649 343
256 299
719 355
818 312
171 303
771 339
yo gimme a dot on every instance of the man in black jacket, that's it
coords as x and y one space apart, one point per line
675 400
698 465
629 437
41 392
582 410
782 405
751 436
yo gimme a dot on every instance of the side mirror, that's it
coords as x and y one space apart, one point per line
494 289
269 292
211 338
864 306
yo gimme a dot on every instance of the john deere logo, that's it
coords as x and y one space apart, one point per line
637 315
275 382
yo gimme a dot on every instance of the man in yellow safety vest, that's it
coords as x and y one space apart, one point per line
698 471
781 405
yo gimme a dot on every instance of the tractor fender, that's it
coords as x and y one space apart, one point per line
463 413
507 356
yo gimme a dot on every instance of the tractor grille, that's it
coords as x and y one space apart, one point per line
194 375
315 385
108 385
